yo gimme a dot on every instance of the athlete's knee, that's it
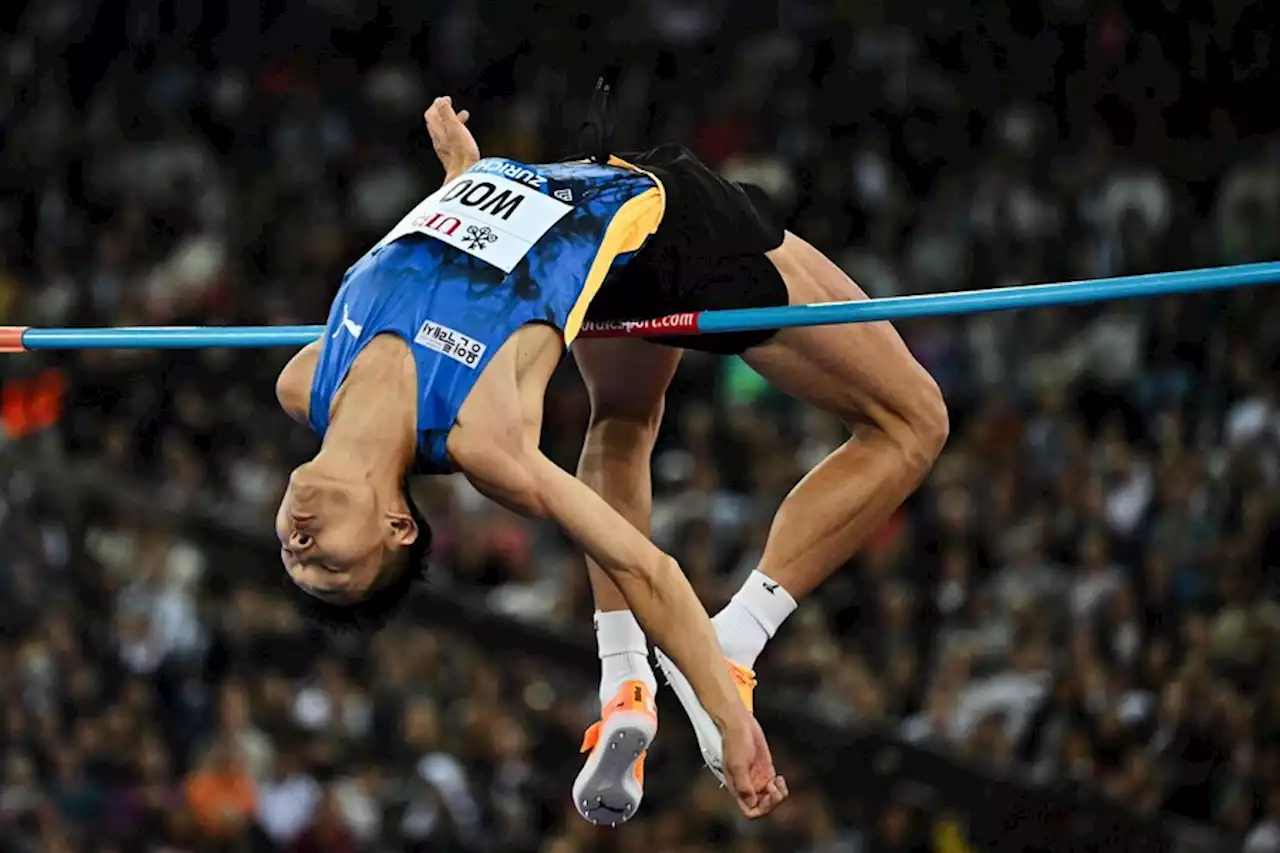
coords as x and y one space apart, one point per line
913 416
923 424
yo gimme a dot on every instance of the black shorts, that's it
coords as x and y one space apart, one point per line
708 254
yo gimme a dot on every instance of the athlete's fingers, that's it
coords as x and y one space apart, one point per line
758 808
445 129
762 807
777 792
438 125
774 793
432 117
437 134
770 797
440 115
446 110
440 108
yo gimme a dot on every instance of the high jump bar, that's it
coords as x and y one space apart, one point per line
21 339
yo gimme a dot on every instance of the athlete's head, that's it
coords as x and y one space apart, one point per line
352 550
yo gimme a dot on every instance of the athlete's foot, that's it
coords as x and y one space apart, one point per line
704 728
609 788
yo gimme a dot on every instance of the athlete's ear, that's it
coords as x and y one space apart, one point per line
403 529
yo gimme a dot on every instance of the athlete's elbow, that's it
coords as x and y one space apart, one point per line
530 504
524 496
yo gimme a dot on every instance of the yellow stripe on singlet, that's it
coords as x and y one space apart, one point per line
630 227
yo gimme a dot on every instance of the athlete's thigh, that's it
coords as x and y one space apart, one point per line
855 371
626 377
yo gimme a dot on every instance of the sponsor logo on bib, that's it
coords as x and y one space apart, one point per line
479 237
486 215
438 222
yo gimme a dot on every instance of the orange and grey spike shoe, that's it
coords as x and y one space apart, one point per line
610 787
709 741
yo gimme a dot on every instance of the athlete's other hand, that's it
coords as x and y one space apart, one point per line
454 144
748 769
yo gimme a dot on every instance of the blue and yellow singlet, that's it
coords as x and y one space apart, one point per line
503 245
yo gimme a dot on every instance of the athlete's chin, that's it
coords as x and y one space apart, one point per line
343 591
308 485
311 503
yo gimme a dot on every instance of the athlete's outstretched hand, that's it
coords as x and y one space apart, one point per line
454 144
748 770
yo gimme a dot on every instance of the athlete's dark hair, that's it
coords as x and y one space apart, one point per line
372 613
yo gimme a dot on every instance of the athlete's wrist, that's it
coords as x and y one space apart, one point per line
457 169
733 719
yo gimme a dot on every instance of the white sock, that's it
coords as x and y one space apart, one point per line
624 654
751 619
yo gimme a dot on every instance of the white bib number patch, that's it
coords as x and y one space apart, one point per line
489 217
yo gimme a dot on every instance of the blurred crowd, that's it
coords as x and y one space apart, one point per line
1084 589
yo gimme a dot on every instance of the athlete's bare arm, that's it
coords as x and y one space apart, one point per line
498 453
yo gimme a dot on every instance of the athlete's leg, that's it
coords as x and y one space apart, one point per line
627 383
863 374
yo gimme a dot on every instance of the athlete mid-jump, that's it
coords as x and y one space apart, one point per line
436 357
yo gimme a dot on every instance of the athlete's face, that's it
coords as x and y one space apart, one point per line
332 540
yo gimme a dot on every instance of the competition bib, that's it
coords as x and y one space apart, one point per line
486 215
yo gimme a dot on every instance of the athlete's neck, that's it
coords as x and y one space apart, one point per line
373 419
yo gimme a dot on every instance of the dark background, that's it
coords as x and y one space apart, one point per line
1066 640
